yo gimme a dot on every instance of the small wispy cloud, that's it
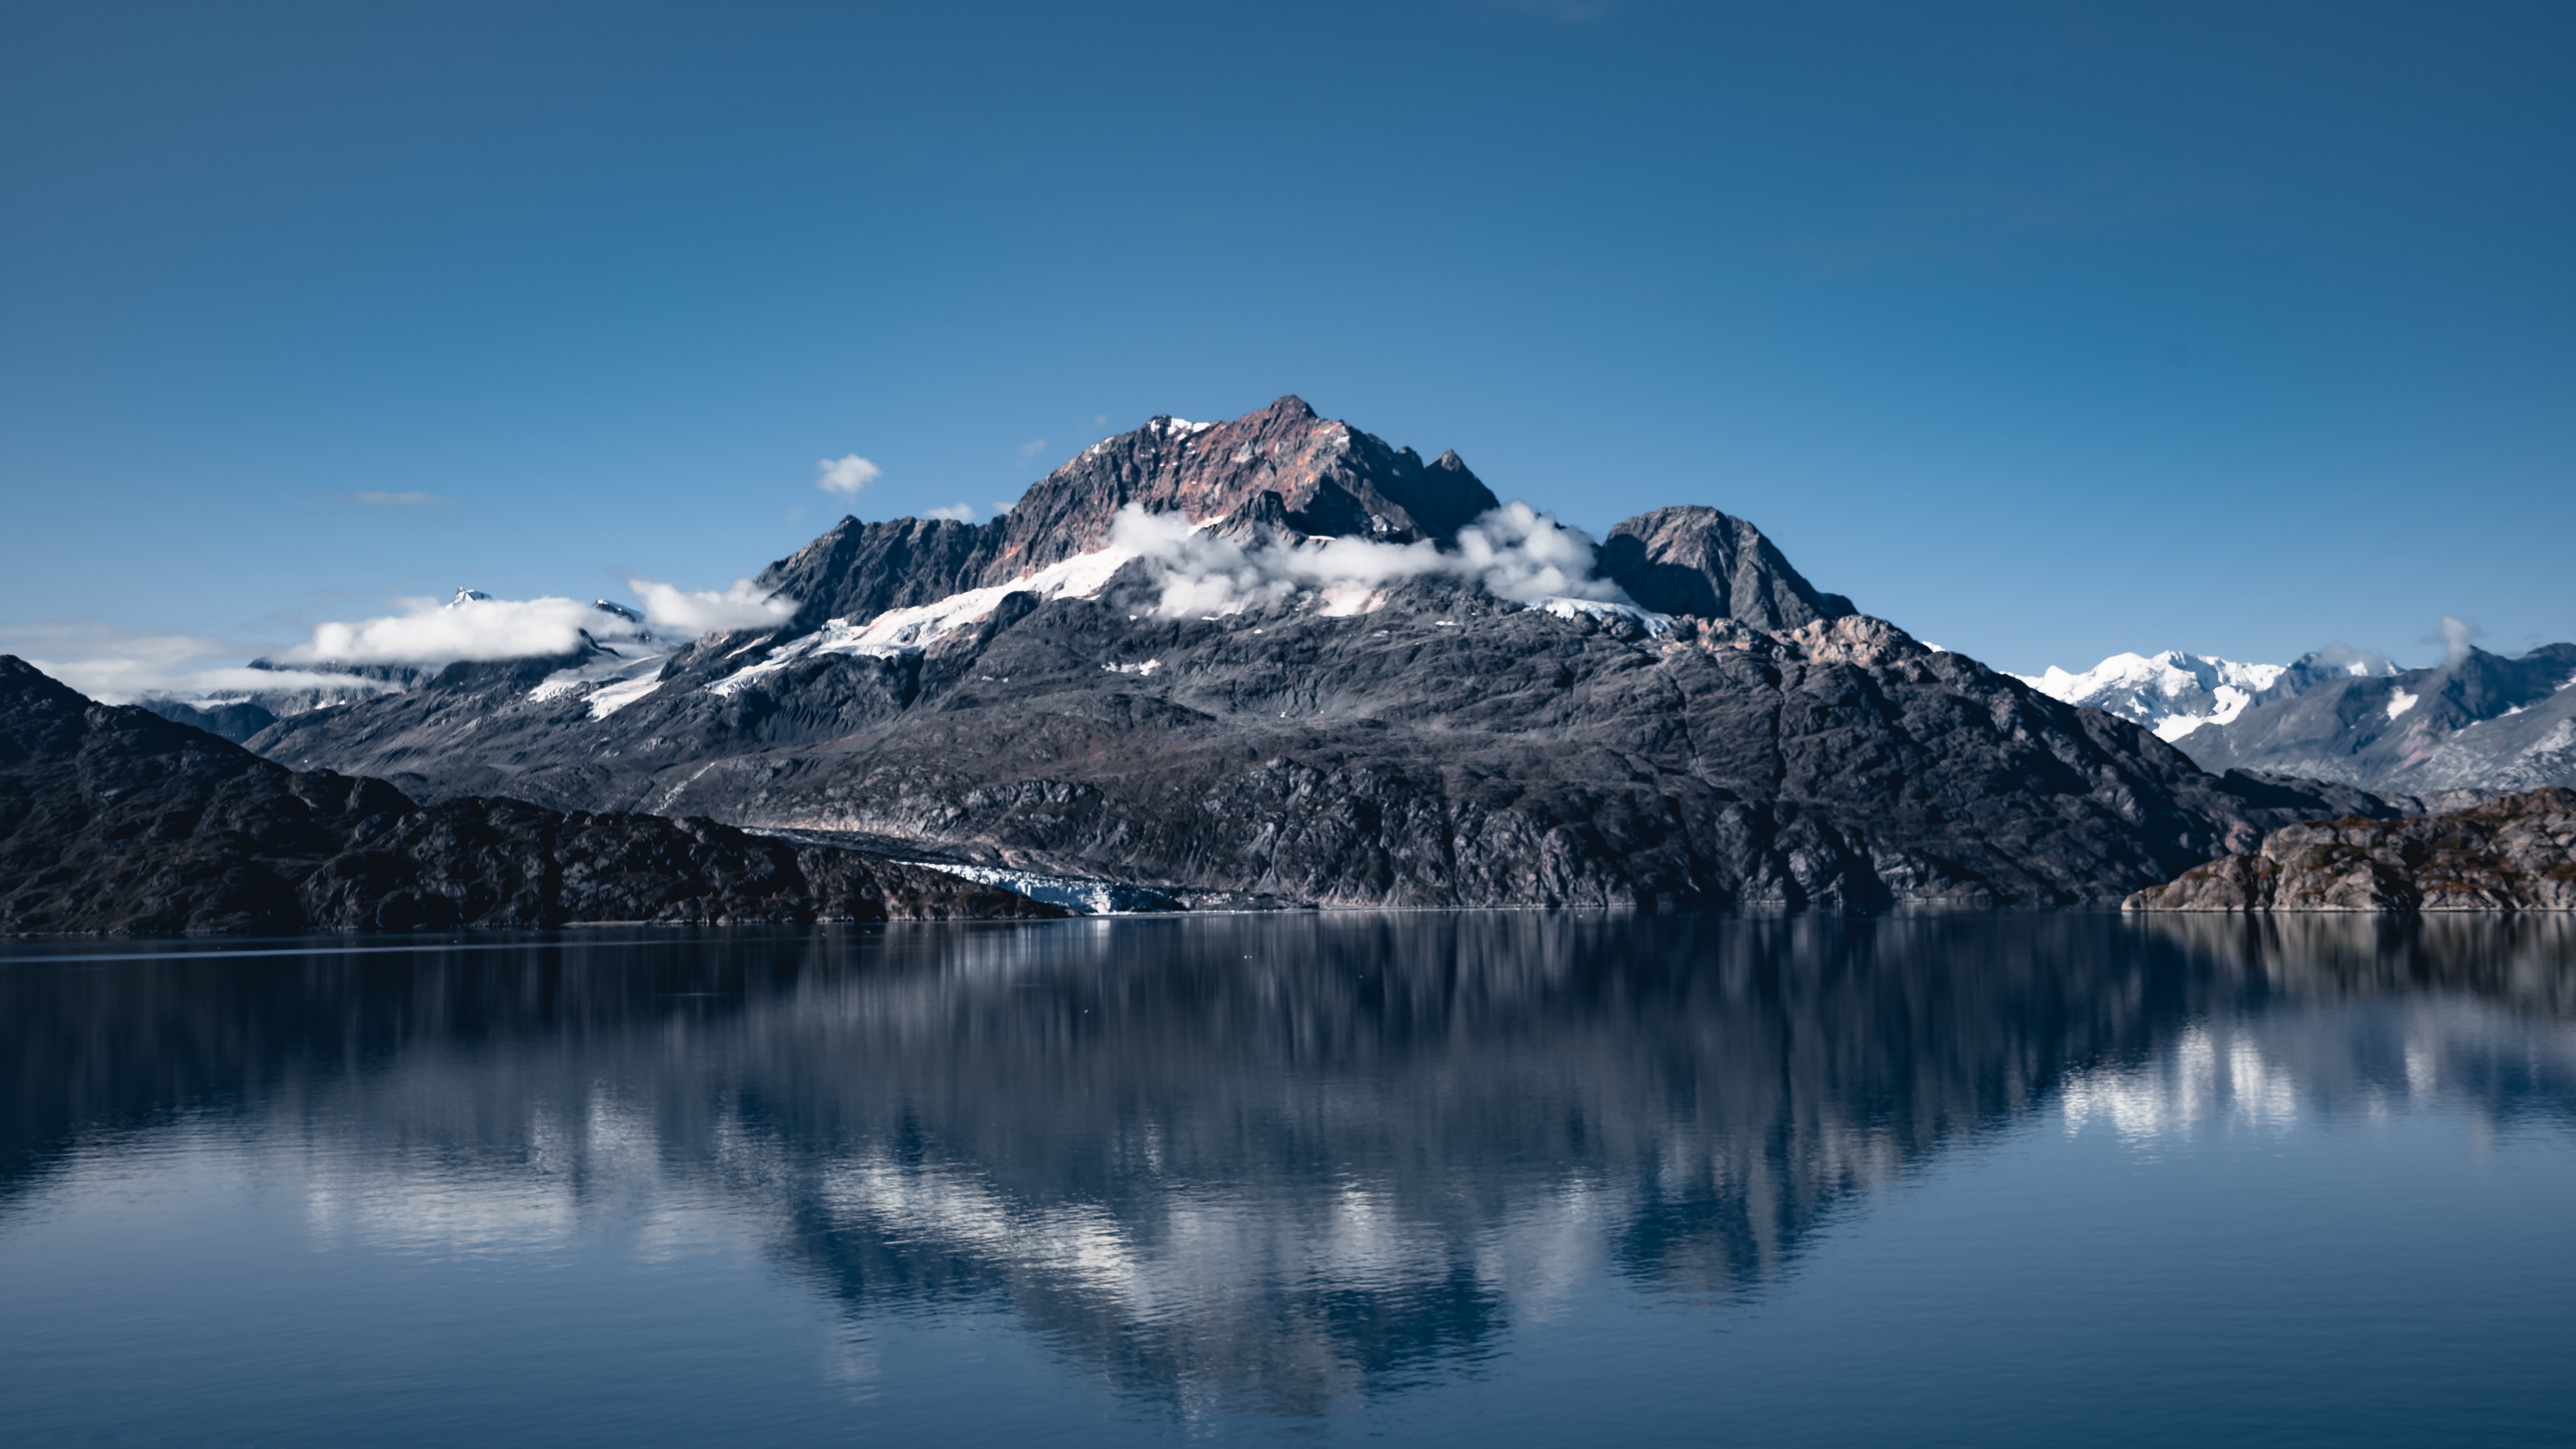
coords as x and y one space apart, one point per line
954 512
372 499
1099 419
2456 634
1031 449
846 475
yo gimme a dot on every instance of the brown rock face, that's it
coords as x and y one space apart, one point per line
2517 853
1328 478
1713 565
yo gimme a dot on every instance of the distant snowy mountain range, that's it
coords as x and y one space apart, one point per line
2471 727
2174 693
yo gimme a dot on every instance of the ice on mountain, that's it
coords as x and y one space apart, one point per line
1653 623
2171 693
613 679
898 631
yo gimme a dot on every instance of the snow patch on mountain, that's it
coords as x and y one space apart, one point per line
609 699
1513 552
612 679
1083 894
2174 694
2171 693
898 631
1653 623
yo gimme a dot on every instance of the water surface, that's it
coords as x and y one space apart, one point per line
1506 1178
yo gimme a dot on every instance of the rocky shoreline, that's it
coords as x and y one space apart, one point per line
2517 853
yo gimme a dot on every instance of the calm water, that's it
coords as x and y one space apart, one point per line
1510 1178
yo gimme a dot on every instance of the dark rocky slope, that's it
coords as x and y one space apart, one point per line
113 819
1439 746
2517 853
236 721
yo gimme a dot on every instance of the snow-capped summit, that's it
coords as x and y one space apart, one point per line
2173 693
466 596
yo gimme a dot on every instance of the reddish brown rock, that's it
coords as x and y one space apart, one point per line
1328 478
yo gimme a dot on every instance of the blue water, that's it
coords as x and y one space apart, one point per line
1479 1179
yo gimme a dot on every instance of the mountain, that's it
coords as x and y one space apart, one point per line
115 819
615 643
2477 725
1703 563
1282 468
1278 660
2175 694
2515 853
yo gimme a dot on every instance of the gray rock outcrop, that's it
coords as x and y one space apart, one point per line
1712 565
2516 853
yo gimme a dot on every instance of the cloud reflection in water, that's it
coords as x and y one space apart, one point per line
1272 1161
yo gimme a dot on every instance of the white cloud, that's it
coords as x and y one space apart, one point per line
1031 449
1525 556
401 500
2456 634
428 632
954 512
846 475
1514 552
119 666
743 606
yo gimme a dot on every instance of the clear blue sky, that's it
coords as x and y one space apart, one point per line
2044 330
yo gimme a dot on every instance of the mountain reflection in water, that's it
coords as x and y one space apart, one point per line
1273 1161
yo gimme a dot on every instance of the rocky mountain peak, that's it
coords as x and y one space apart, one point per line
1696 560
1331 478
1323 477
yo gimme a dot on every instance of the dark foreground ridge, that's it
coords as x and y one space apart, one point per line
2517 853
113 819
1753 741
